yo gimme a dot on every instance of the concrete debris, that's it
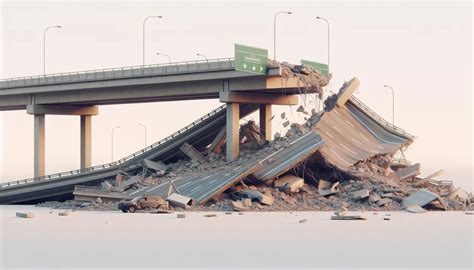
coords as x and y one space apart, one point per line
247 202
416 209
216 145
423 198
283 115
303 221
300 109
107 186
181 215
193 153
210 215
25 215
383 202
346 216
253 195
408 172
326 188
128 183
289 183
159 167
373 198
386 218
64 213
424 181
251 132
182 201
98 200
286 123
239 206
360 194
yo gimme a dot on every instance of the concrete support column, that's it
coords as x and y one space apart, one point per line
39 145
232 131
266 121
86 144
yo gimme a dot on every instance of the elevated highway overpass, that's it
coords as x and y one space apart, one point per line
79 93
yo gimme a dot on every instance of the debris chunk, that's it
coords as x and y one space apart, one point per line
289 183
178 200
181 215
25 215
422 198
303 220
159 167
64 213
210 215
361 216
360 194
416 209
238 206
383 202
193 153
286 123
326 188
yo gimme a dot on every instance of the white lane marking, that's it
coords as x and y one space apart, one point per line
348 149
343 160
356 141
363 136
350 124
337 112
329 134
289 160
192 190
337 129
136 191
213 181
189 182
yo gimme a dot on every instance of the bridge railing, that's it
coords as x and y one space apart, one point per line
115 164
121 72
379 118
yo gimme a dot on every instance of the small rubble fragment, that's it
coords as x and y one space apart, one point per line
25 215
326 188
181 215
64 213
360 194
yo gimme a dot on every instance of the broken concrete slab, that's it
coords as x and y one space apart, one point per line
159 167
247 202
416 209
178 200
239 206
107 186
408 172
361 216
193 153
383 202
373 198
326 188
422 198
127 183
181 215
289 183
25 215
360 194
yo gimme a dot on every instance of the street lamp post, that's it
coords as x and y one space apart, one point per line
169 58
329 37
145 132
202 55
144 21
44 45
274 31
393 104
112 143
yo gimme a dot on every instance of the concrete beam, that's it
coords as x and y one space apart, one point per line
39 145
240 97
347 92
266 121
62 109
232 131
86 141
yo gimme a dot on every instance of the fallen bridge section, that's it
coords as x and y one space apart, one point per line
200 133
353 133
284 159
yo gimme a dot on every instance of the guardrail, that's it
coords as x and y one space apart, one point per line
379 118
401 161
115 164
440 183
118 73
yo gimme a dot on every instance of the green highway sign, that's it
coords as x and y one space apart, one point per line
323 68
250 59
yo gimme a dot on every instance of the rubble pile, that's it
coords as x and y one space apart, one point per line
312 183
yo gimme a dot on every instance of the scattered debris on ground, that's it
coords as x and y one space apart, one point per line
25 215
310 182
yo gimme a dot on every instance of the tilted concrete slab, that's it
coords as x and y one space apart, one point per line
287 158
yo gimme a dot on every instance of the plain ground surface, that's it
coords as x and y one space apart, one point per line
441 240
